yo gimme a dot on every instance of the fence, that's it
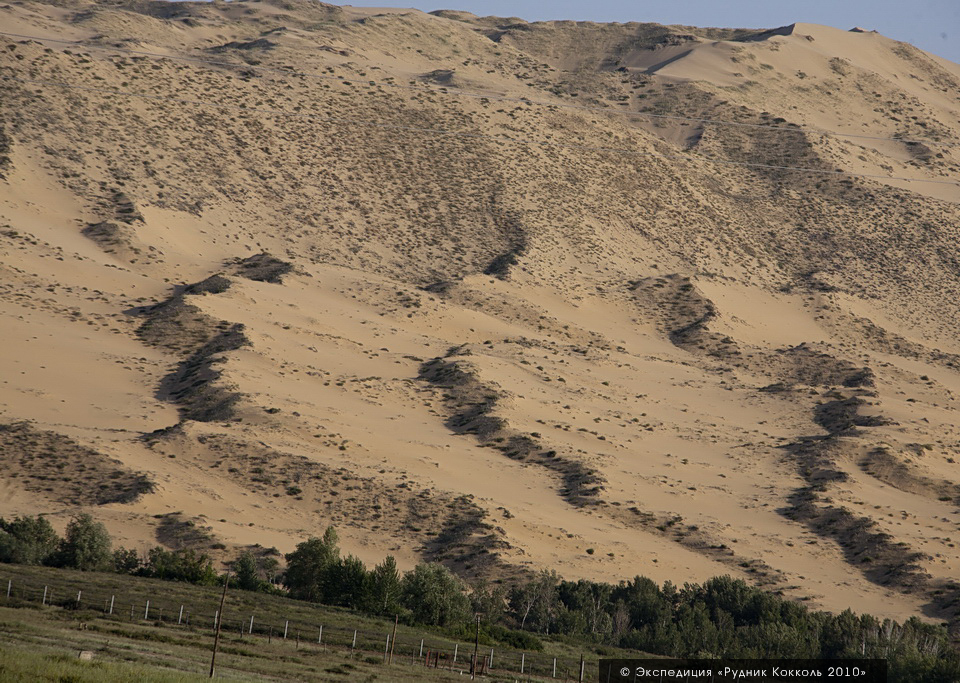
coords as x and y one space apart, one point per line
399 648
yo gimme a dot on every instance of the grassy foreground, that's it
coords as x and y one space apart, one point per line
42 642
18 665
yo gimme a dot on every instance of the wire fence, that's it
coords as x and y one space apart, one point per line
376 645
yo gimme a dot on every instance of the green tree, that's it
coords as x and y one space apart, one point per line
488 601
534 604
86 545
180 565
434 596
348 583
27 540
126 561
308 567
247 573
385 589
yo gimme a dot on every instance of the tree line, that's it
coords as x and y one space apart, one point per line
723 617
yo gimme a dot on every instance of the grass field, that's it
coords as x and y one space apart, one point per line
42 642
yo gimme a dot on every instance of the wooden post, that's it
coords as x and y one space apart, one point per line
320 637
78 598
393 639
523 661
421 647
581 669
180 617
476 651
216 638
111 603
554 667
491 657
44 595
146 611
9 587
216 619
386 649
285 627
251 625
354 646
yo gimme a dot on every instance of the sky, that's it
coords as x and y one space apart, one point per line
932 25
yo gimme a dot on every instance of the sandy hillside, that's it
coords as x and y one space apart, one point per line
505 295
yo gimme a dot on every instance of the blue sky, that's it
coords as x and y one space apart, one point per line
933 25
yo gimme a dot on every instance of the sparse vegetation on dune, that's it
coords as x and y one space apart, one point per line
495 298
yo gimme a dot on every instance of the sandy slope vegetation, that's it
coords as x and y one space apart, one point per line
468 289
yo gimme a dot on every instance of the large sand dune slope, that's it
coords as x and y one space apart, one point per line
505 295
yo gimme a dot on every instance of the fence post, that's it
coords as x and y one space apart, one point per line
393 639
386 649
44 595
216 618
180 617
581 669
285 627
455 649
251 625
421 647
78 598
354 646
523 661
9 587
491 657
554 667
216 637
146 611
320 637
111 604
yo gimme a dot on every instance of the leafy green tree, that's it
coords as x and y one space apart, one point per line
309 565
385 588
247 573
489 601
348 583
534 604
27 540
180 565
86 545
434 596
126 561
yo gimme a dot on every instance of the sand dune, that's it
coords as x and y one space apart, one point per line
479 290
